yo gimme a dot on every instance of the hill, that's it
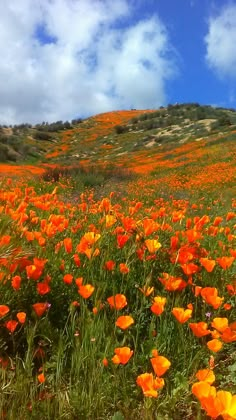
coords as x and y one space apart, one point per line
182 143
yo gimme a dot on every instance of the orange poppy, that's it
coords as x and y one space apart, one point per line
77 260
86 291
208 264
220 324
199 329
121 240
229 335
43 288
68 278
4 309
152 245
210 296
122 355
21 316
206 375
68 245
172 283
110 265
214 345
189 268
160 365
118 301
33 272
41 378
158 305
11 325
124 269
225 262
40 308
182 315
124 322
149 384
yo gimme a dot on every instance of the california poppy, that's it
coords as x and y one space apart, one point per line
124 322
152 245
208 264
149 384
40 308
199 329
4 309
158 305
68 278
220 324
160 365
206 375
11 325
86 291
214 345
182 315
118 301
21 316
122 355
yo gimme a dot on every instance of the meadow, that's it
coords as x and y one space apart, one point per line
117 288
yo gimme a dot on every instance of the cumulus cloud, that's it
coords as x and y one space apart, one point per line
62 59
220 42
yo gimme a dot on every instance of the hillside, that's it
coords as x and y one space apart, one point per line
184 141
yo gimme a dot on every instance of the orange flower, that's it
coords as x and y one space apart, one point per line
41 378
220 324
79 281
160 365
206 375
118 301
110 265
229 335
158 305
199 329
124 269
122 355
68 278
43 288
214 345
152 245
225 262
149 384
105 362
189 268
210 295
68 245
16 282
172 283
4 309
33 272
182 315
124 322
11 325
86 291
21 316
77 260
121 240
208 264
40 308
203 390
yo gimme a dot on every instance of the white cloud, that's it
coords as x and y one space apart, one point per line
66 58
221 42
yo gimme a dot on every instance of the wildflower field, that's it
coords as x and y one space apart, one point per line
118 301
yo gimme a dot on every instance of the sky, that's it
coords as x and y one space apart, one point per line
65 59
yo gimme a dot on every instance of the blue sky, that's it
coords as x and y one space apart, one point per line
75 58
